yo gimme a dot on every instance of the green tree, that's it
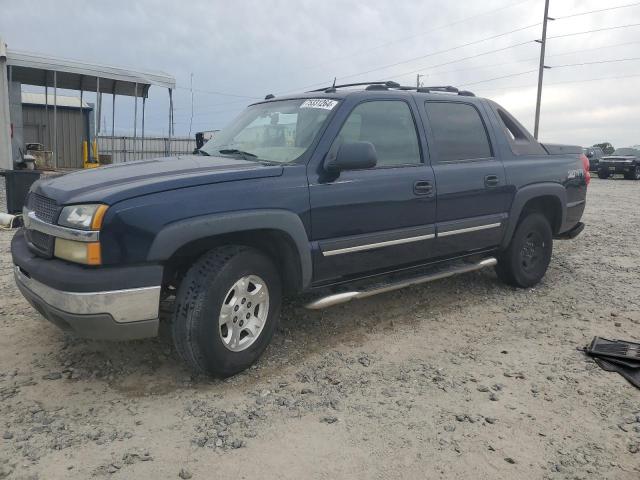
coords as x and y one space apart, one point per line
606 147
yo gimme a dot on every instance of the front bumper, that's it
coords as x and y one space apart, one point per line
92 308
617 167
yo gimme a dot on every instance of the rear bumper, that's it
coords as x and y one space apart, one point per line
94 308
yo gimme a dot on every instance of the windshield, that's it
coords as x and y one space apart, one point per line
274 131
626 151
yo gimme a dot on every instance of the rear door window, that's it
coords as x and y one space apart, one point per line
458 132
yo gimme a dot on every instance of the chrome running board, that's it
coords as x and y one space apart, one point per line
344 297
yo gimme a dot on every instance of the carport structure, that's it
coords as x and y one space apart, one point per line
17 68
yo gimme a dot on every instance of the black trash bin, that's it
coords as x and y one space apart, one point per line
17 184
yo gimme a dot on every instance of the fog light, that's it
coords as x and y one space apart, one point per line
78 252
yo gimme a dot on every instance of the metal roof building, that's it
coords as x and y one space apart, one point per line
17 68
73 125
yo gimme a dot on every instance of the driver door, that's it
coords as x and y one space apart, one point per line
373 219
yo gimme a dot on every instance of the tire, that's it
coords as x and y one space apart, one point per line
636 173
526 259
603 174
219 279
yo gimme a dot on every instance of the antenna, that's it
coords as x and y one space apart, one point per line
332 88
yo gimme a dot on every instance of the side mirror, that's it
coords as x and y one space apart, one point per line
352 156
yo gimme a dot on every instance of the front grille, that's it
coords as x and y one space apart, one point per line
45 209
41 242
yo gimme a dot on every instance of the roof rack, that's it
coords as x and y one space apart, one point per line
396 86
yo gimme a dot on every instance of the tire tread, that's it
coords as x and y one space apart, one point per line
185 317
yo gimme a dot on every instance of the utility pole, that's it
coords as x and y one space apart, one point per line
543 44
418 76
191 119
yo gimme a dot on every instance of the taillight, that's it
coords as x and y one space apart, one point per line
585 167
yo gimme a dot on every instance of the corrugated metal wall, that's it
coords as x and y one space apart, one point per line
125 149
70 132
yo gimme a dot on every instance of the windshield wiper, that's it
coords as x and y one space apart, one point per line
202 152
235 151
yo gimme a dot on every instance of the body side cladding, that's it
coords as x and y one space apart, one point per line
177 234
530 192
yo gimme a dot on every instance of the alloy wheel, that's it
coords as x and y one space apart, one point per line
243 313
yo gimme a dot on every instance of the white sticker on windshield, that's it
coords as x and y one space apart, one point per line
323 103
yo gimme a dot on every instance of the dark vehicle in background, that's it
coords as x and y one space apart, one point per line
594 154
340 193
623 160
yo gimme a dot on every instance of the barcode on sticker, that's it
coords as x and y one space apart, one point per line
324 103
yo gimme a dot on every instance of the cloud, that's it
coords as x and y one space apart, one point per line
272 46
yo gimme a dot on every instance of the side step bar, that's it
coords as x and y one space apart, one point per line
344 297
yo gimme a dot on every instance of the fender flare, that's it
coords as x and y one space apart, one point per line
524 194
178 234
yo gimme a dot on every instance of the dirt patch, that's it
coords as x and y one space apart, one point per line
460 378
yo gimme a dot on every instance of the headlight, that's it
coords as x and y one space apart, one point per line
84 217
87 253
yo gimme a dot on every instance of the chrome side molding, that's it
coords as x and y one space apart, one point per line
469 229
344 297
371 246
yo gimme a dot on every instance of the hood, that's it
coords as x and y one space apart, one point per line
113 183
619 157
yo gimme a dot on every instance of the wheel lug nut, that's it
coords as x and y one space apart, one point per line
244 300
248 315
249 305
241 323
236 308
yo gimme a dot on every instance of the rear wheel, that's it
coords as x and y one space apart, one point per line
634 175
526 259
602 173
226 310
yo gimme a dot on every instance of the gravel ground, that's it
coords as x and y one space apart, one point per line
462 378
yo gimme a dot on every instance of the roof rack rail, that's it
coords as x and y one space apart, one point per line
396 86
332 89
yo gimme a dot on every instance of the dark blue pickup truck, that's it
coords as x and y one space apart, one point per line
340 193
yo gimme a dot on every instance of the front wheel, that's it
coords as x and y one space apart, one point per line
526 259
603 174
226 310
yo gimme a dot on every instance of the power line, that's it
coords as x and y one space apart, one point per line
230 102
383 67
457 47
555 66
597 11
409 37
530 59
596 62
214 92
465 58
498 78
596 30
517 87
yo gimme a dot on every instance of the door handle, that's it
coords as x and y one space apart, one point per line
423 187
491 181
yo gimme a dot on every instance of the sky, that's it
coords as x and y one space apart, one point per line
237 52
